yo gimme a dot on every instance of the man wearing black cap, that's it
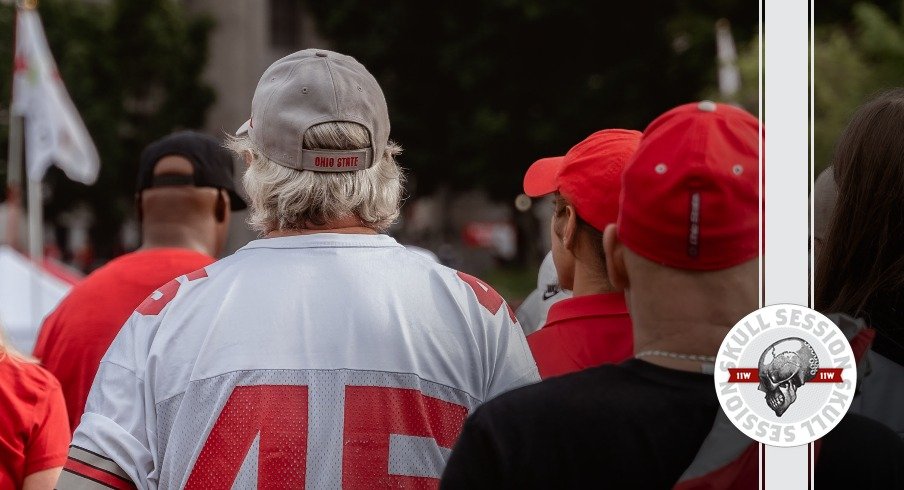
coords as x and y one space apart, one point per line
184 196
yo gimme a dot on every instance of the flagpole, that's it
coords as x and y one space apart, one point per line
33 188
14 181
35 243
35 201
35 220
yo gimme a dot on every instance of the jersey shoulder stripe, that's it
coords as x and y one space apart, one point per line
88 470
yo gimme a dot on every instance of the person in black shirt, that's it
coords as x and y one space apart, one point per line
635 425
685 251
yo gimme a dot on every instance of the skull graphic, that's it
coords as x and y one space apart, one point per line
784 367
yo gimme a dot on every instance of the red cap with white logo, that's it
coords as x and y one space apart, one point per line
690 196
589 175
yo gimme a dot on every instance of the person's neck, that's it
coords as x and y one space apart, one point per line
675 325
349 225
350 230
590 279
688 338
187 236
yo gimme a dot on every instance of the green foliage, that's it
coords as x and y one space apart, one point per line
133 70
479 89
854 61
841 82
858 51
512 283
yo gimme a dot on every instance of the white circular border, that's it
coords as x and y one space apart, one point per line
720 375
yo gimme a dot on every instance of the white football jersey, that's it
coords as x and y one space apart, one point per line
316 361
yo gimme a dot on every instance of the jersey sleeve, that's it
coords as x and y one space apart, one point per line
113 445
116 441
514 366
508 358
49 438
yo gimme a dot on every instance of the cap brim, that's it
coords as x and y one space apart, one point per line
244 128
236 203
540 178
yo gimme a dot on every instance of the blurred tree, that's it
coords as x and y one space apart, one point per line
839 11
858 51
853 61
479 89
133 70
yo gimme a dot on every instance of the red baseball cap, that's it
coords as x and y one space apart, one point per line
690 197
589 175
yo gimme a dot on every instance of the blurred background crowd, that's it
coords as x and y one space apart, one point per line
478 90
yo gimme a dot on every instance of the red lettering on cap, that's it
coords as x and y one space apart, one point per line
348 162
323 162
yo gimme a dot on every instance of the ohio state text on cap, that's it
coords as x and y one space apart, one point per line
311 87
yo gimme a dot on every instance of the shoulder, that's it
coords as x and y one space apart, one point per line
32 380
546 344
542 336
97 280
117 267
555 397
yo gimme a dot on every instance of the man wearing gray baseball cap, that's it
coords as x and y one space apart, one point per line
324 354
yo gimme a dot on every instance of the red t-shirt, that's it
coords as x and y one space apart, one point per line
77 334
583 332
34 432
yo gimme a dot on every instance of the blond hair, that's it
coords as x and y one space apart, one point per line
7 350
283 198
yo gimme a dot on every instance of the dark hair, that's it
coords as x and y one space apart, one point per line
860 270
592 236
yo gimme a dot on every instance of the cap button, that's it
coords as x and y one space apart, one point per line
707 106
320 54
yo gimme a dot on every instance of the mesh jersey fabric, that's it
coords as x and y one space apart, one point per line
378 353
78 332
34 432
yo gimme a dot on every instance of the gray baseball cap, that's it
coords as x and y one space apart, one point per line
311 87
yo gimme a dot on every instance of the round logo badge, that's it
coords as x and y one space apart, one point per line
785 375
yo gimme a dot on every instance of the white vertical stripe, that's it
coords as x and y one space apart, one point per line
812 176
786 222
761 156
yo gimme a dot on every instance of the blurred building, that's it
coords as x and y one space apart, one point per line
248 35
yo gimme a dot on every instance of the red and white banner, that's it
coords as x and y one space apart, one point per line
752 375
54 131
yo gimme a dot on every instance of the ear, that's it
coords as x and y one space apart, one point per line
221 206
615 258
247 157
138 207
569 232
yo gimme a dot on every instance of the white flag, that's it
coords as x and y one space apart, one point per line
727 55
54 131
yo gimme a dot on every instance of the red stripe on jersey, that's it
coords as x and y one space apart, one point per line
486 295
98 475
279 414
198 274
373 414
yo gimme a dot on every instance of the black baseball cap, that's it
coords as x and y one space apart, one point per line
213 164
